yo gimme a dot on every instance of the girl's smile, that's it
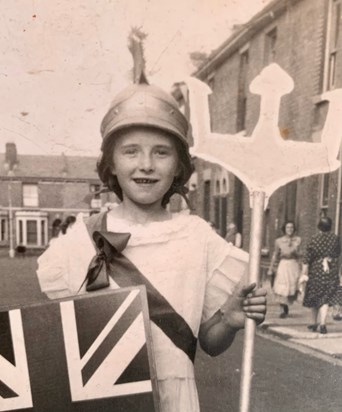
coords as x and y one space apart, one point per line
145 162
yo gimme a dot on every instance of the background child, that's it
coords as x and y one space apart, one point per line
199 276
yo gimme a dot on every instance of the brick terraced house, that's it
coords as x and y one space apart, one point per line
38 191
305 38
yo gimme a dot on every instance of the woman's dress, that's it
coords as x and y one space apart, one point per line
286 280
322 257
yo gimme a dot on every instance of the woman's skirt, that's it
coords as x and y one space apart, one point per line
286 281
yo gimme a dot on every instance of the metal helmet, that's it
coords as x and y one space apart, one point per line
144 105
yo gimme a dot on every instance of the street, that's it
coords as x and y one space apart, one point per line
285 380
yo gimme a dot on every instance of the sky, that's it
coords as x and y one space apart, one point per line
62 61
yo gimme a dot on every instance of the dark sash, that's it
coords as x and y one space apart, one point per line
109 261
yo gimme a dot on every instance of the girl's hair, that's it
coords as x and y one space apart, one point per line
283 228
324 224
105 166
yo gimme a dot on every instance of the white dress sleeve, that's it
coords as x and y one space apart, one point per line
63 266
52 269
226 268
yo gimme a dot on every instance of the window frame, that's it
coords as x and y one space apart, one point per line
29 199
21 229
335 15
242 89
4 229
270 49
324 191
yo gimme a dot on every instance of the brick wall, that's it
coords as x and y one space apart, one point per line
300 52
51 194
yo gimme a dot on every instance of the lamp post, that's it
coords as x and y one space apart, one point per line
10 212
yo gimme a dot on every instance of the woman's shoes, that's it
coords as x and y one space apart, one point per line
322 328
313 327
285 312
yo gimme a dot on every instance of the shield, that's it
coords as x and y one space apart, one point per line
87 353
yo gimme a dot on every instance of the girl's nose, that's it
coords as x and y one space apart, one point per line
146 163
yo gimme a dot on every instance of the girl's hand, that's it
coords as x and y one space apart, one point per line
269 272
246 301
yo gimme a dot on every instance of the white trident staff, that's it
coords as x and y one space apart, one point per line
264 162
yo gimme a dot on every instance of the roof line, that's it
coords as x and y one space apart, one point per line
240 36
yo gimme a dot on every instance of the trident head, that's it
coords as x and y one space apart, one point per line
265 161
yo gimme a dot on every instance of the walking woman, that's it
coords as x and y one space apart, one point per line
320 270
287 248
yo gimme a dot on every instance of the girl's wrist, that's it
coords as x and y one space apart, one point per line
227 322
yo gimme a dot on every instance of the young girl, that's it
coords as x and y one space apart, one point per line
145 160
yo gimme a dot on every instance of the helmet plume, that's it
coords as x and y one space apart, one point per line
136 47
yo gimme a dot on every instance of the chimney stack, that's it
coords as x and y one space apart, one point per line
11 158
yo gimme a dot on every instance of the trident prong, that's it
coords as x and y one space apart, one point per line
265 161
271 84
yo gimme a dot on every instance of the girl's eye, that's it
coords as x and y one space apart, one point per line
162 152
130 151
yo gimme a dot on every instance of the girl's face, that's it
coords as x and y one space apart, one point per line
145 162
289 229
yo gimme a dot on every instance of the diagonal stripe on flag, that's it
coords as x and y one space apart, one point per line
113 321
120 356
112 339
6 392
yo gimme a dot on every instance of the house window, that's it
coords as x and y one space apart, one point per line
242 91
31 229
333 43
325 191
290 201
31 232
20 233
220 206
270 46
43 232
223 212
266 233
206 200
30 195
3 229
238 204
217 211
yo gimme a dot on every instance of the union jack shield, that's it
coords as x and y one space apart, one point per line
89 353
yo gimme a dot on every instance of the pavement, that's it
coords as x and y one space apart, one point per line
294 328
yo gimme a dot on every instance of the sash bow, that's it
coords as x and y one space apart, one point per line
108 244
